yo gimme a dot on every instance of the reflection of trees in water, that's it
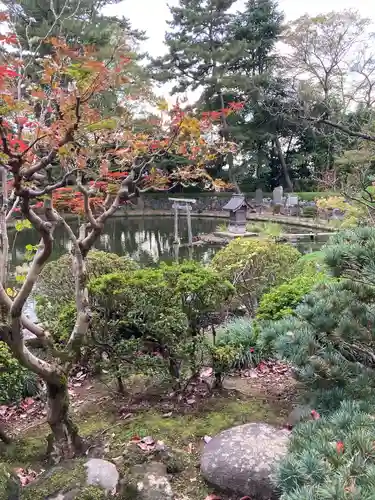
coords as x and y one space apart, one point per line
148 240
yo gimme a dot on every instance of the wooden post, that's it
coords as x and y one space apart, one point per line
176 238
176 251
190 232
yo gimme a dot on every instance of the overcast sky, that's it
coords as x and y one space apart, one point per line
151 15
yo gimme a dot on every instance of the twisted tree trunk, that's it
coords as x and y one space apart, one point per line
65 441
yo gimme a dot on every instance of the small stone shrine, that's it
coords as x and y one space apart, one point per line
237 208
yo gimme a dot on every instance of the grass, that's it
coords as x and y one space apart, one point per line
222 227
272 229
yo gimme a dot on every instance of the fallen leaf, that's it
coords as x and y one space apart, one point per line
148 440
207 439
166 415
207 373
143 446
191 401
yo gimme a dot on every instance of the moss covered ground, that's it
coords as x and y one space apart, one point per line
111 434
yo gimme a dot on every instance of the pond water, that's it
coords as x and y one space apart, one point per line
147 240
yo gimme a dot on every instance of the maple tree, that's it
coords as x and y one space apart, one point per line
58 154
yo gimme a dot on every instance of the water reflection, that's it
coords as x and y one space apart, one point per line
147 240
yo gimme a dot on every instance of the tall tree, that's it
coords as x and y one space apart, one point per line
227 54
80 23
83 147
321 55
199 50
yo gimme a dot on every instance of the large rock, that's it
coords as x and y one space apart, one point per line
103 474
242 459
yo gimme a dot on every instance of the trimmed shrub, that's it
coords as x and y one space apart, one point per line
153 318
56 281
253 266
283 300
309 211
241 336
55 287
16 382
202 290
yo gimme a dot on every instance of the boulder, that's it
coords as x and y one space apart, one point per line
103 474
242 459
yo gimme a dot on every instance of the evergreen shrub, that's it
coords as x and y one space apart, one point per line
281 301
55 287
154 319
16 382
253 266
332 458
331 338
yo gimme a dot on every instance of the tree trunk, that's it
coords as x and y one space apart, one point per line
5 438
232 176
64 441
174 370
283 164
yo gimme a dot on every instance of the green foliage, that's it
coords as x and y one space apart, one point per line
314 195
201 290
9 484
22 224
253 266
137 320
281 301
273 229
331 339
15 381
332 458
310 211
55 287
240 337
151 320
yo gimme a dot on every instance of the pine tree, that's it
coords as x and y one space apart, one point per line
79 23
226 54
332 458
331 338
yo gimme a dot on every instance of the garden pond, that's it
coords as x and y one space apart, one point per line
147 240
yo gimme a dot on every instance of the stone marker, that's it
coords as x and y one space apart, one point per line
277 199
278 195
242 459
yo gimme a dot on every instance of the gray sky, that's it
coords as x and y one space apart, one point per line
151 15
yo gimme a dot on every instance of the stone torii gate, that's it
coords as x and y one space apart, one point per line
184 204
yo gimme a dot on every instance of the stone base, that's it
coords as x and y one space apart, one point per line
228 234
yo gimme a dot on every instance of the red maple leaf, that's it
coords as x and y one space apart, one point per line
340 447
